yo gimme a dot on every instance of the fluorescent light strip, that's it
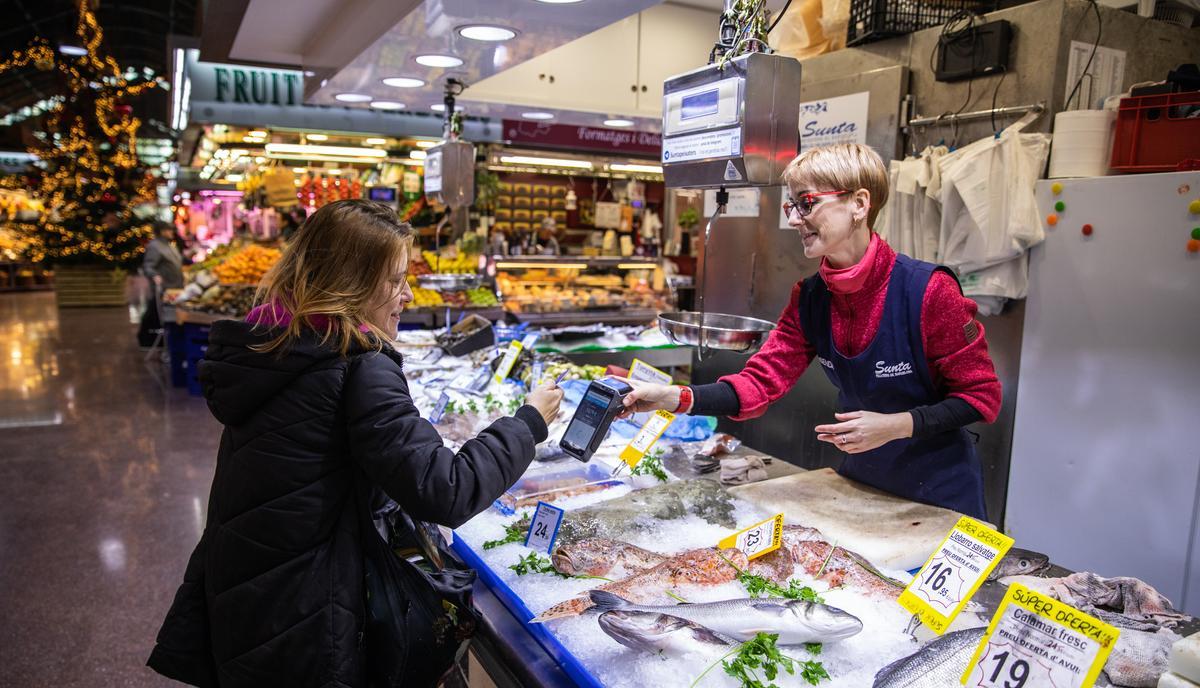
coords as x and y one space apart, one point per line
299 149
545 162
323 158
418 155
636 266
621 167
521 266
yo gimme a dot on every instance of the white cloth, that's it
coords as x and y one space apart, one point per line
911 221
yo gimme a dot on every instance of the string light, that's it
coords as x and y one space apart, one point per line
80 172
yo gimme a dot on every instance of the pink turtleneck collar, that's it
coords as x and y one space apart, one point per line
851 279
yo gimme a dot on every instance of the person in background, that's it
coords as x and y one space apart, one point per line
292 220
319 431
497 243
895 335
547 241
162 264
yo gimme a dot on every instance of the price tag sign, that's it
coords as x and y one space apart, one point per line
758 539
1034 640
646 437
644 372
528 341
543 529
535 378
954 572
509 360
439 409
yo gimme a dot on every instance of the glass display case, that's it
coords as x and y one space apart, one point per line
581 289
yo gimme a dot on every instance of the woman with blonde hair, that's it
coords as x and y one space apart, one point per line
284 587
895 335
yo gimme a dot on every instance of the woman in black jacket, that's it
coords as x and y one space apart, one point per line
312 396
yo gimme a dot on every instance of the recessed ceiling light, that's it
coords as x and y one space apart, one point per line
403 82
309 72
375 142
486 32
426 144
352 97
257 133
73 50
316 137
441 107
386 105
418 155
618 123
444 61
537 115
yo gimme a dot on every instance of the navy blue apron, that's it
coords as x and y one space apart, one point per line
891 376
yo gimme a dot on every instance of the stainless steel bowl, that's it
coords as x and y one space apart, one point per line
721 331
449 282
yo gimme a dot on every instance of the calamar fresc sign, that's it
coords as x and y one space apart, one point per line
258 86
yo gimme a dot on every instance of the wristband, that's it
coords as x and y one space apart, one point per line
685 399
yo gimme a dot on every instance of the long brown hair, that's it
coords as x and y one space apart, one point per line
332 270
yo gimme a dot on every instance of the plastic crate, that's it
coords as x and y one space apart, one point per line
1155 133
875 20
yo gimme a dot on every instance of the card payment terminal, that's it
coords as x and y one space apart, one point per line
601 403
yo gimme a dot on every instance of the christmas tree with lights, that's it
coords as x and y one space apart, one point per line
90 176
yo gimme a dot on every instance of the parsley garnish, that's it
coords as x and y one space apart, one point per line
535 563
513 532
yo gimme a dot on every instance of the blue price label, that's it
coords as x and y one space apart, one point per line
543 529
439 409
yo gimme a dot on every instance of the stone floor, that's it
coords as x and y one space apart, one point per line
104 478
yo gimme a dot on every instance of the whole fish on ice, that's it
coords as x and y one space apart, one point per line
940 664
837 566
795 621
643 510
707 566
1020 562
659 633
602 556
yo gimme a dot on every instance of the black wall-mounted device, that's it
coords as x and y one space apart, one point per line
973 52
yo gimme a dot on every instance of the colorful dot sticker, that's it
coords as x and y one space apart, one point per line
1194 207
1051 219
1196 233
1056 188
1193 245
1060 206
1087 230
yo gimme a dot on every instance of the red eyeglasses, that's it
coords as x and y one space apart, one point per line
808 202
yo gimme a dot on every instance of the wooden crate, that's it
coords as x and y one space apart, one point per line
82 286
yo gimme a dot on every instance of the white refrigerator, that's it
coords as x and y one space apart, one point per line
1105 470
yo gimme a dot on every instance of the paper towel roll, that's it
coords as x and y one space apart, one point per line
1082 143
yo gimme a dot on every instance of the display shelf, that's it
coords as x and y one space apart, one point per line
613 316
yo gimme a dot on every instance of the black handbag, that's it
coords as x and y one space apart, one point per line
419 609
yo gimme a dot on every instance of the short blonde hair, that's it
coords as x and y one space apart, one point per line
849 166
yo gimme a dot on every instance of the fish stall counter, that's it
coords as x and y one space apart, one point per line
605 607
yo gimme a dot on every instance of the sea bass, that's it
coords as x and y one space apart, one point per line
1020 562
659 633
940 664
602 557
695 567
644 509
795 621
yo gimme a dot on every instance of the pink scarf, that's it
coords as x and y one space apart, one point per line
851 279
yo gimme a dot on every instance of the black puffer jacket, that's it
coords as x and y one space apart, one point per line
273 593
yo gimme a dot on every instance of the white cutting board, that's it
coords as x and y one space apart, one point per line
891 532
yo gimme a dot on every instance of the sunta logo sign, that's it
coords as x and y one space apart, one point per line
239 85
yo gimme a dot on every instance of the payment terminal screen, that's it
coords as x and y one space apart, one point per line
587 419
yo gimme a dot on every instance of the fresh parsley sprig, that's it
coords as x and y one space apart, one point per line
757 662
513 532
651 465
536 563
757 586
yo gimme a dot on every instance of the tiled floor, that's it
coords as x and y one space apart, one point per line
104 478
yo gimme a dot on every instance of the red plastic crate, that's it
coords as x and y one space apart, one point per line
1154 133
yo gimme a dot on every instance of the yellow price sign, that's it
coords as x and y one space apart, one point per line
646 437
954 572
1034 640
509 360
759 539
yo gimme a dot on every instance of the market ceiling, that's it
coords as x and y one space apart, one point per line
135 34
415 45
